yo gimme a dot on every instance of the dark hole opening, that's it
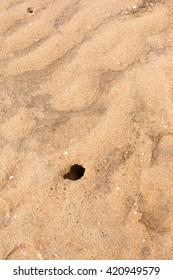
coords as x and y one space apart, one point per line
30 10
75 173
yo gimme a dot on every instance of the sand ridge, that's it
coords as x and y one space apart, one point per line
88 83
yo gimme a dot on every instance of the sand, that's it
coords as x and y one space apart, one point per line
86 129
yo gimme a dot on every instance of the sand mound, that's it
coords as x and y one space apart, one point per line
86 133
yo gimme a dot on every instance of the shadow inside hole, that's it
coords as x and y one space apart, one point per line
30 10
75 173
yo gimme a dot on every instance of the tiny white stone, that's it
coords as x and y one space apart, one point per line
134 6
15 216
40 256
24 253
143 240
5 168
142 154
135 203
135 212
65 152
117 188
37 40
105 160
11 178
30 23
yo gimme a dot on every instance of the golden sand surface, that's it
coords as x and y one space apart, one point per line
86 129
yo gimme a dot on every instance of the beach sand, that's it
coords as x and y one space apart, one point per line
86 129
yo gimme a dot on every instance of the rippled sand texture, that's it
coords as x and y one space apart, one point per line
90 83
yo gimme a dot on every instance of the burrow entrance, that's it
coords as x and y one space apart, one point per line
75 173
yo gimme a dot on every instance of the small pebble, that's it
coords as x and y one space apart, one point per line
23 252
40 256
11 178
